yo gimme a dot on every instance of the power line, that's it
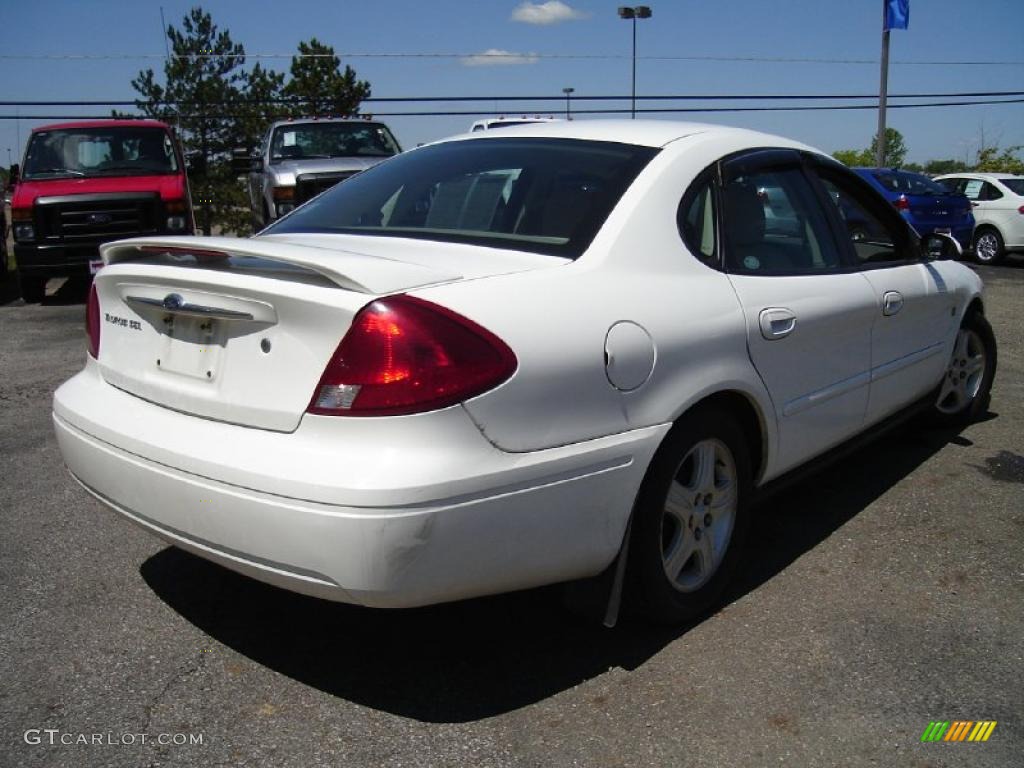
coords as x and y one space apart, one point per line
649 110
398 99
493 55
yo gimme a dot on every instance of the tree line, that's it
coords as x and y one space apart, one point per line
217 104
987 160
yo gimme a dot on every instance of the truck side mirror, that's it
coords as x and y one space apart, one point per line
195 164
243 161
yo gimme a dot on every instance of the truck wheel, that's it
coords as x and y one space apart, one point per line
33 289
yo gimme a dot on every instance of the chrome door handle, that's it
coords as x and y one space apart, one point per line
777 323
892 302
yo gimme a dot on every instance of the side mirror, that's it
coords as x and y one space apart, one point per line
195 164
13 175
243 161
941 246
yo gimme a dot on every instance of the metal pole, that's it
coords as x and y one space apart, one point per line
883 92
633 102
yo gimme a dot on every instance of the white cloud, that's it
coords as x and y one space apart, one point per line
495 57
550 12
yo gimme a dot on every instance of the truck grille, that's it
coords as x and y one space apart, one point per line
309 185
97 218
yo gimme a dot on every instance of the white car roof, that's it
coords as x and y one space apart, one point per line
984 175
649 133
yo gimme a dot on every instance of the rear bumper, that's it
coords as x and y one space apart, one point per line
381 512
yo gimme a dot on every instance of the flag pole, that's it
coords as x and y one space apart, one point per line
883 91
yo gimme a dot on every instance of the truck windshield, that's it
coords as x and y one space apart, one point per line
108 151
296 141
549 196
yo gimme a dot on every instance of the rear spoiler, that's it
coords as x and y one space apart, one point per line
350 270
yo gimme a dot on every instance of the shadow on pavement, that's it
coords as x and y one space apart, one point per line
476 659
74 290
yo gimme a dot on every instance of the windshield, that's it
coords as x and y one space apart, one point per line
1014 185
542 195
322 140
910 183
109 151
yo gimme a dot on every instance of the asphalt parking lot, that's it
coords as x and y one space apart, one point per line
882 594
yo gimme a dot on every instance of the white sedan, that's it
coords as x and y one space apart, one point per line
514 358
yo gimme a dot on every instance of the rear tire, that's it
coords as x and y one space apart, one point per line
33 289
691 518
966 388
988 246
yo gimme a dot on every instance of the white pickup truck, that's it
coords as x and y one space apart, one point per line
300 158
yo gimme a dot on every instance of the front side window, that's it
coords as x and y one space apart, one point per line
108 151
543 195
876 232
304 141
774 225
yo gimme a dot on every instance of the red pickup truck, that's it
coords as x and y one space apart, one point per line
90 182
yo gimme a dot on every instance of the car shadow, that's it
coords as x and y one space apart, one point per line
479 658
73 290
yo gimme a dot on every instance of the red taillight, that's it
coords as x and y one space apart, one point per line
92 322
901 203
405 355
1021 209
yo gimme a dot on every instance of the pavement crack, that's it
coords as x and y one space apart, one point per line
192 668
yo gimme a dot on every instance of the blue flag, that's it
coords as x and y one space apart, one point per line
897 14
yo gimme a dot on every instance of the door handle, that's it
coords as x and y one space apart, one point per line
777 323
892 302
974 205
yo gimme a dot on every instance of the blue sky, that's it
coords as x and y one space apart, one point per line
940 30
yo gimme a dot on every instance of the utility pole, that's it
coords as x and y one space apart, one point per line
568 108
895 15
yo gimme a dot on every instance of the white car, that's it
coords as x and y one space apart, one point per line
998 203
509 359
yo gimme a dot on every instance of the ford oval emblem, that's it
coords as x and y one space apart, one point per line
173 301
100 218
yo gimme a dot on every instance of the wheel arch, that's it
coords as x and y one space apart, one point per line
750 419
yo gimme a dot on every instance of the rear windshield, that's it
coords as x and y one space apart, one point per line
1015 185
120 150
298 141
909 183
543 195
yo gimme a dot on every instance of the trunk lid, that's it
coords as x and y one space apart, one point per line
240 330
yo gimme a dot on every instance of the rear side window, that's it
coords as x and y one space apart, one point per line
907 183
696 220
774 225
543 195
1015 185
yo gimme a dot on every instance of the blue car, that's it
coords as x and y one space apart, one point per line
925 204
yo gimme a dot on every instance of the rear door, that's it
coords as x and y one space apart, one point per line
915 312
808 316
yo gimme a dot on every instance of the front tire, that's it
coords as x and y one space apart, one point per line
690 518
966 388
988 246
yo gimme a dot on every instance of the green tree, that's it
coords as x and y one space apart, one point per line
261 104
895 149
203 85
318 86
854 157
937 167
991 160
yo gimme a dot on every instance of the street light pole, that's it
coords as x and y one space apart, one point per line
638 12
568 109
